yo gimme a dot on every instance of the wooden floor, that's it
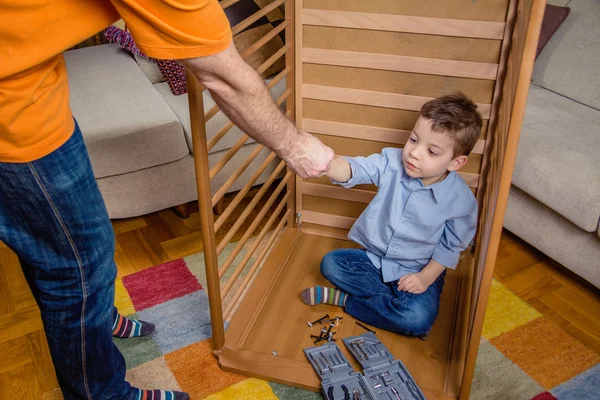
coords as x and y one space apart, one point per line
26 371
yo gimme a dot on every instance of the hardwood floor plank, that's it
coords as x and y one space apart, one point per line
6 391
18 289
42 362
126 225
24 384
577 316
515 256
15 353
20 323
531 283
183 245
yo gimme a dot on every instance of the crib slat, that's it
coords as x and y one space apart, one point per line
389 62
404 23
373 98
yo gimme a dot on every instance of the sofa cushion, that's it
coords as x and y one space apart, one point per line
179 104
557 160
569 63
126 124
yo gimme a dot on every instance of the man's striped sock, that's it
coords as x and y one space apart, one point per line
126 328
324 295
160 395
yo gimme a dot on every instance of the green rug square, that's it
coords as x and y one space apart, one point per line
496 377
292 393
138 350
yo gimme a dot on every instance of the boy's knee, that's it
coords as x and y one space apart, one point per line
330 265
326 265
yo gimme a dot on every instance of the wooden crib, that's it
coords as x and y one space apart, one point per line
357 73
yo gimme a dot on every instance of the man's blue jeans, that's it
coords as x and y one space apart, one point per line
53 217
379 303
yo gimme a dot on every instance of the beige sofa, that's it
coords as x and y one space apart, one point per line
555 196
138 133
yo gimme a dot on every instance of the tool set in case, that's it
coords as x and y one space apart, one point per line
383 378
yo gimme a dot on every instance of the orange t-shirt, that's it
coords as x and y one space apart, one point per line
35 117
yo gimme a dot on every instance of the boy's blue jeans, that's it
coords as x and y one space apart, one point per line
53 217
379 303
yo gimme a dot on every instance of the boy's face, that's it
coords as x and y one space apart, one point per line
429 155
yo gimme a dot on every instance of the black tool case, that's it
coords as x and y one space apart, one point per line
383 377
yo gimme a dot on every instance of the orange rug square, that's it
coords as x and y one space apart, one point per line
545 352
197 371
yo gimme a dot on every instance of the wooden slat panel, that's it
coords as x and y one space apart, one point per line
399 43
266 248
240 267
367 132
238 223
422 65
236 174
243 191
364 115
489 10
373 98
404 23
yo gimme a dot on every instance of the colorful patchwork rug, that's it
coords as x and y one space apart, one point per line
522 354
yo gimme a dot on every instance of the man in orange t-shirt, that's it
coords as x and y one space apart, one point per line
51 212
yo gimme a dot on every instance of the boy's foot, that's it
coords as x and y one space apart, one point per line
324 295
160 395
124 327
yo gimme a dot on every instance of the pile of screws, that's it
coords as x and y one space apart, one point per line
326 335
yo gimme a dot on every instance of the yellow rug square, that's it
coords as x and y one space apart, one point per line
505 311
122 299
249 389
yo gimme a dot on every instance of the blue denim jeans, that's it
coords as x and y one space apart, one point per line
53 217
379 303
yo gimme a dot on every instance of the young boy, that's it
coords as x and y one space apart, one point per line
422 217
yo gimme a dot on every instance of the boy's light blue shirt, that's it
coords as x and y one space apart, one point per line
407 224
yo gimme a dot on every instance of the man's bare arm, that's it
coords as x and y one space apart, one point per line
242 95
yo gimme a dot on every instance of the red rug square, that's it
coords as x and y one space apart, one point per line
161 283
544 396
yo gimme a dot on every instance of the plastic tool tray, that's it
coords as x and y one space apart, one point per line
384 378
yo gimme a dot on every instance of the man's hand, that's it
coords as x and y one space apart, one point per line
413 283
308 157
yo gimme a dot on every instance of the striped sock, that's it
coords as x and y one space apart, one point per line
160 395
126 328
321 294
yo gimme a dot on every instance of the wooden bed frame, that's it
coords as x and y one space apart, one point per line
357 74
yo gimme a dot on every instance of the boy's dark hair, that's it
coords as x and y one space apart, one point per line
457 116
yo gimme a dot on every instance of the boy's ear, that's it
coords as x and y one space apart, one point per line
457 163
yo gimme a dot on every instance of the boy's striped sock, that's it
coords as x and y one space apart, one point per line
321 294
160 395
126 328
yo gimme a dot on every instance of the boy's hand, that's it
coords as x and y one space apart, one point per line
413 283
